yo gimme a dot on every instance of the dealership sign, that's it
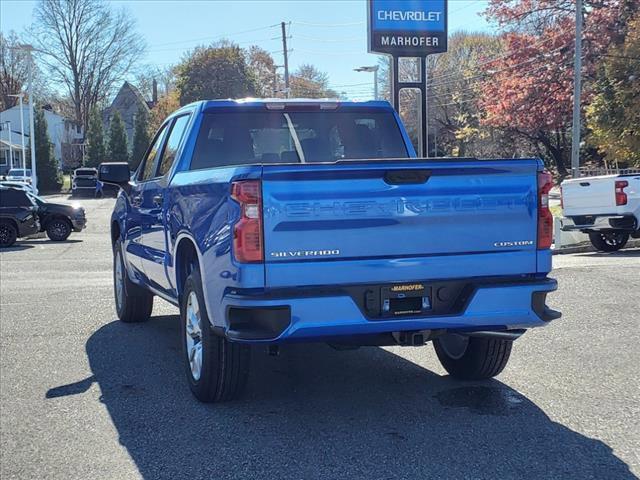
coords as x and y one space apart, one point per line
407 28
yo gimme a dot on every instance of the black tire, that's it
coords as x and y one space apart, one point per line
58 229
224 364
134 304
609 241
479 359
8 233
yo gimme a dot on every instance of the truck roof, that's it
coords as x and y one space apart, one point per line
280 103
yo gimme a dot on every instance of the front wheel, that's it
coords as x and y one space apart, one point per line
216 368
608 241
472 358
133 303
58 229
8 234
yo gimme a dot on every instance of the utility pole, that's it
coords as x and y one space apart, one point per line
34 173
286 59
577 89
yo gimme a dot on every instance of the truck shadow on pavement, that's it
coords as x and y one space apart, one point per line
313 412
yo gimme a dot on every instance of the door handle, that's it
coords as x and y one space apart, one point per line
406 177
157 199
136 201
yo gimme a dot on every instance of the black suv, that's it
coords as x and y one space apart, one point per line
18 216
57 219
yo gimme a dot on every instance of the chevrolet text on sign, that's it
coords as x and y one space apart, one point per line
408 27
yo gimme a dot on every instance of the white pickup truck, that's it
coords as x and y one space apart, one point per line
607 208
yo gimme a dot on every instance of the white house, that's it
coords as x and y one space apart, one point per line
65 135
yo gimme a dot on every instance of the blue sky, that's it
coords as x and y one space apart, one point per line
331 34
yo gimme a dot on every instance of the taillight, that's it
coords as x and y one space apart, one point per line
621 197
247 232
545 218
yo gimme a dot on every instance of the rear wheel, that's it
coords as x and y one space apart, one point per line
58 229
8 234
609 241
133 303
216 368
472 358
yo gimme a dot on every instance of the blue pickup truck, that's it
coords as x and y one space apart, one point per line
275 221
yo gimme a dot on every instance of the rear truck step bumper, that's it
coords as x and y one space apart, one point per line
601 222
478 307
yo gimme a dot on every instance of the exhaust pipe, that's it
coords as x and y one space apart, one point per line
504 335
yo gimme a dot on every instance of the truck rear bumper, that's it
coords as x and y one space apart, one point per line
319 315
589 223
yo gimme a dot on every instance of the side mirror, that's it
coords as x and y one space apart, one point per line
114 174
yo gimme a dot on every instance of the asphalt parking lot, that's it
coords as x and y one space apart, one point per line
84 396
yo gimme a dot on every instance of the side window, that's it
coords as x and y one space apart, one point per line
14 198
173 142
154 151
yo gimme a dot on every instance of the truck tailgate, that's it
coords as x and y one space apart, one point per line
589 195
398 220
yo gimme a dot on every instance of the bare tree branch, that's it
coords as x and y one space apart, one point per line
87 47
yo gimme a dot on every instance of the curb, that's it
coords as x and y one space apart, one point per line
587 247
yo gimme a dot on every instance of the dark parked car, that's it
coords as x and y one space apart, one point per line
18 216
59 219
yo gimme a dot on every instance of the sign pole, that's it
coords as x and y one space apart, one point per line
577 87
424 108
416 29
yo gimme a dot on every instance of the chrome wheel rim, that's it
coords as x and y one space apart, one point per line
193 337
119 280
454 345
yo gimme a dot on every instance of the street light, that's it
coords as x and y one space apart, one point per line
374 69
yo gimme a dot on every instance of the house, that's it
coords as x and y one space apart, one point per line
127 102
65 135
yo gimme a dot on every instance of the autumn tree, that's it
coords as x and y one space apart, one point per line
263 66
217 71
167 104
309 82
613 117
528 91
95 151
86 47
454 94
118 151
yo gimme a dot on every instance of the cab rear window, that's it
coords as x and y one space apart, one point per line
237 138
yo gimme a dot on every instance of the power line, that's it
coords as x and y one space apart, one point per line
242 32
471 3
493 72
248 42
329 25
